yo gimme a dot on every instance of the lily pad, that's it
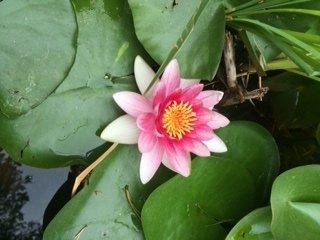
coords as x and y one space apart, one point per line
160 24
64 129
108 206
37 49
255 226
295 202
254 147
202 205
195 207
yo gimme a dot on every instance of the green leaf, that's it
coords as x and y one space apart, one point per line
108 206
198 207
260 50
306 56
195 207
198 27
107 44
315 13
64 129
293 100
294 18
37 49
254 226
256 5
295 204
262 160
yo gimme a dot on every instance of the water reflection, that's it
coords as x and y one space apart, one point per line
24 195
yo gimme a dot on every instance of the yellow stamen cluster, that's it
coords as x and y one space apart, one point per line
178 119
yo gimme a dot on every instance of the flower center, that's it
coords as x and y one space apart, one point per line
178 119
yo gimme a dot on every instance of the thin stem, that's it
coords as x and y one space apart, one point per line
86 171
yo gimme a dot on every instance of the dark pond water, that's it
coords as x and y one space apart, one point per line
24 195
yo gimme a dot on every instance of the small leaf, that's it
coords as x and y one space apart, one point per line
255 226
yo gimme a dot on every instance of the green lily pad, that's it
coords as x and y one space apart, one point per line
64 129
108 206
218 191
254 147
295 203
160 24
255 226
37 49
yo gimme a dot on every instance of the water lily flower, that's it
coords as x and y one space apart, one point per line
172 120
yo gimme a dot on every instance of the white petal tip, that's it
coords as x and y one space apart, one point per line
144 181
221 148
116 96
122 130
186 174
220 95
173 63
105 135
216 145
143 74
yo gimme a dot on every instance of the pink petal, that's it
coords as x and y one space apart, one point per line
132 103
191 92
218 121
204 115
146 122
195 147
188 82
216 144
159 94
150 162
166 162
171 76
146 142
210 98
201 132
179 159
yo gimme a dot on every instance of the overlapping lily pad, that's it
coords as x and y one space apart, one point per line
108 207
65 128
295 203
160 24
254 226
37 49
254 147
219 191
